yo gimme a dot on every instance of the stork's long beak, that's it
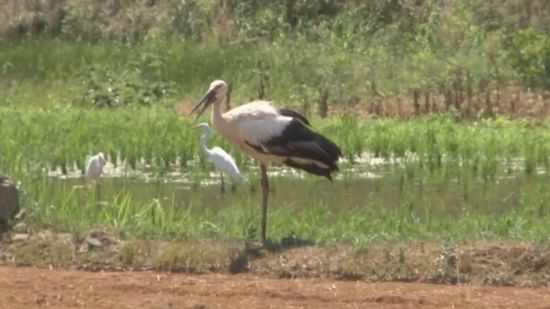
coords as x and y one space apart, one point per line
204 103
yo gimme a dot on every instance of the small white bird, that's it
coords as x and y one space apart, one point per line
223 161
94 169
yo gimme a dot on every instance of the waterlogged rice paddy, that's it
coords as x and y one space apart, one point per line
430 178
370 182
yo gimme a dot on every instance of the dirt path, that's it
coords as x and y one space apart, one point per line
41 288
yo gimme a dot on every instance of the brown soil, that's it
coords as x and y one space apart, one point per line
206 273
61 288
495 263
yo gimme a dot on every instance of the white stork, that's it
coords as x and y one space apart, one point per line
270 135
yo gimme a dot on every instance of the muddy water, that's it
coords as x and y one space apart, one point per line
380 186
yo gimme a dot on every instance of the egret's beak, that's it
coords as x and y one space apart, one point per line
204 103
196 127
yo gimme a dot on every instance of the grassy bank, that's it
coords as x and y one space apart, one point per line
387 58
312 77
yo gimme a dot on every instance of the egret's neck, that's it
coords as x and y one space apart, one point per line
204 138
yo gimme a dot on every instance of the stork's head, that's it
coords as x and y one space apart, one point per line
216 92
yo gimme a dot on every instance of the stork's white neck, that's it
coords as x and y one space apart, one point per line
217 117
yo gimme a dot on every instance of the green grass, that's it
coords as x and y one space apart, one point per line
431 151
473 60
297 69
353 51
67 210
61 70
35 139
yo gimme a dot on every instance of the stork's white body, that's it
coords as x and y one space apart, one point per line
253 122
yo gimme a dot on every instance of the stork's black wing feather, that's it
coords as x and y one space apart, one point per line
298 141
290 113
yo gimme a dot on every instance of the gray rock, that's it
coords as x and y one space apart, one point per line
84 248
98 240
66 238
5 256
105 239
9 198
93 242
20 227
44 236
20 237
21 215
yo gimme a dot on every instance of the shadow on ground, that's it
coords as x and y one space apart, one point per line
254 250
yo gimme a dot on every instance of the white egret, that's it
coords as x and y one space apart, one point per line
94 169
223 161
270 135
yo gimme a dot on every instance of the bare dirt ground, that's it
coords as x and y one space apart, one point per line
43 269
24 287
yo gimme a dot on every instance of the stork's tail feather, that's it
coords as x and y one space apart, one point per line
318 155
311 168
332 151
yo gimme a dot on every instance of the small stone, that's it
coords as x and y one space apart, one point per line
20 237
66 238
21 215
94 242
45 235
106 242
5 256
83 248
20 227
100 239
41 299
